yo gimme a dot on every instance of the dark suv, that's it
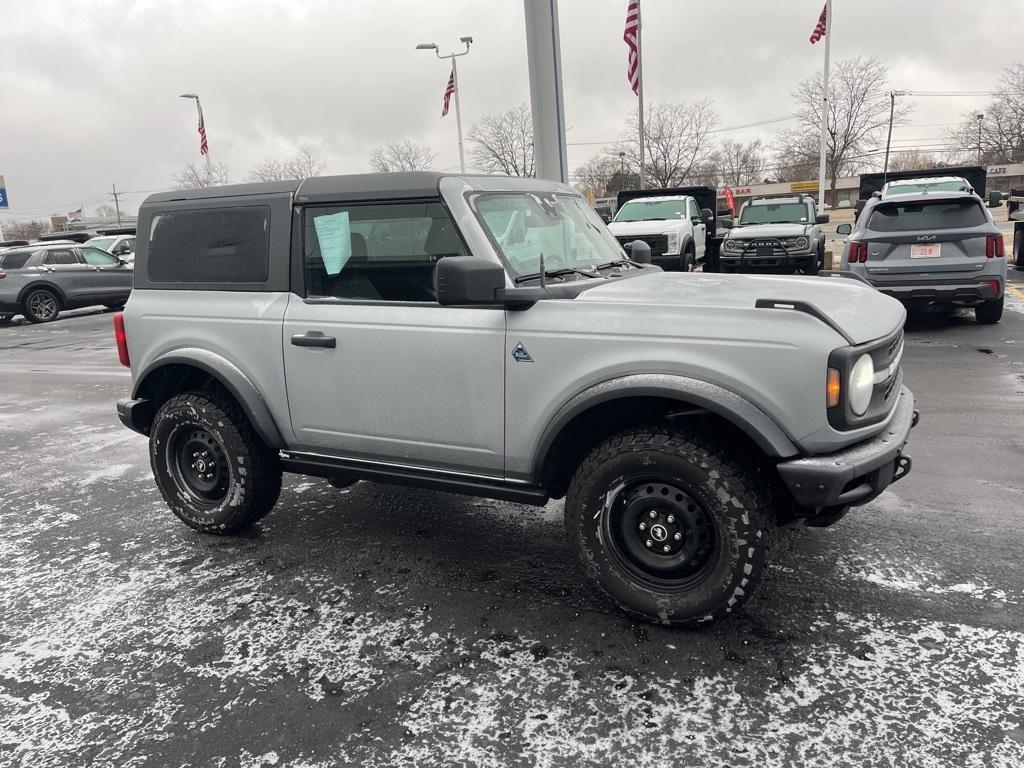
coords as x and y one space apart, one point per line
38 281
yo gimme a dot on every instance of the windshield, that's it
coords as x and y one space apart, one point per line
646 210
913 189
915 216
562 227
779 213
103 243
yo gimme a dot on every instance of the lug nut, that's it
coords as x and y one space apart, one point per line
678 536
643 526
649 543
671 518
665 548
653 514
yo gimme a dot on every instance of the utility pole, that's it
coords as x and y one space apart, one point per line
980 117
888 141
117 204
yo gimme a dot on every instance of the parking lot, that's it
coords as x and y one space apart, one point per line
389 626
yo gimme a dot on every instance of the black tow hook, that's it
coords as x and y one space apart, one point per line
917 418
903 466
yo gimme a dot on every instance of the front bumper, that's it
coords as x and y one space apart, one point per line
857 474
137 415
767 259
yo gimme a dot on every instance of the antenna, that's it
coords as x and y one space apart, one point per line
543 284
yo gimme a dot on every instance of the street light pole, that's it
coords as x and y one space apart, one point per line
455 81
199 110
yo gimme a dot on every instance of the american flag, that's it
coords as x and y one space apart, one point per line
730 199
630 36
204 147
448 91
819 28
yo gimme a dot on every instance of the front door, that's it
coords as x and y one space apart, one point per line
111 281
376 369
700 229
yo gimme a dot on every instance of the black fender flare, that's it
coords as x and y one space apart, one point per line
737 410
227 374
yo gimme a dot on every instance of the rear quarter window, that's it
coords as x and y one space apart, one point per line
16 260
934 214
219 245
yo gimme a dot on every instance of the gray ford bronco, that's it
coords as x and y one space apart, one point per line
776 234
488 336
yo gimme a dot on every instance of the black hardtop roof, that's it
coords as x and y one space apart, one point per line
778 200
408 184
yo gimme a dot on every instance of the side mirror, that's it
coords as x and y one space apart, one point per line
465 280
725 222
122 261
844 229
821 218
640 252
708 214
995 199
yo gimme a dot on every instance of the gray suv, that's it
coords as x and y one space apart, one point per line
488 336
931 248
38 281
776 234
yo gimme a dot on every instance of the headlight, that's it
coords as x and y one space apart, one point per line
862 383
800 243
673 242
731 245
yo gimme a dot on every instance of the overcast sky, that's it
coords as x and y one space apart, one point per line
89 88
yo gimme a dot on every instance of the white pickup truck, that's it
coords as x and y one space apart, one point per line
673 225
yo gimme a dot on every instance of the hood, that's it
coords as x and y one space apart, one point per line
860 312
655 227
753 231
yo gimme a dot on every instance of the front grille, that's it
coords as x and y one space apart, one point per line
658 243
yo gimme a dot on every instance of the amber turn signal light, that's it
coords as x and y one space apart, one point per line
833 388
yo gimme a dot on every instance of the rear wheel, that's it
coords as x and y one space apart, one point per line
989 312
672 527
41 305
213 470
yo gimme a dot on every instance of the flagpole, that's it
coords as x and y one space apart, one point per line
640 91
824 108
458 112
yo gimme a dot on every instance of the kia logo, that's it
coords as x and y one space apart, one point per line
926 237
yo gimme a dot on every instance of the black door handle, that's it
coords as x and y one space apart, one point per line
314 339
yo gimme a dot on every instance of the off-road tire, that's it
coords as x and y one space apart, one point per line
32 307
989 312
734 499
251 480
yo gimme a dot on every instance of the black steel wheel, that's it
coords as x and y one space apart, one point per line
674 527
41 305
213 470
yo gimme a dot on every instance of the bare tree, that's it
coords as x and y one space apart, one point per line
912 160
1002 125
106 211
858 115
401 156
267 170
304 164
676 138
503 143
598 174
196 176
25 230
739 164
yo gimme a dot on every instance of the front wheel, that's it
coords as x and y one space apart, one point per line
989 312
213 470
673 528
41 305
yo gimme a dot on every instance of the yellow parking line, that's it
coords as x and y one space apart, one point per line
1016 290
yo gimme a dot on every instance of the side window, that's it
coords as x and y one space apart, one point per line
691 207
96 258
61 257
379 252
213 245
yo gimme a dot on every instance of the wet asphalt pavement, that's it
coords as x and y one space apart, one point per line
381 626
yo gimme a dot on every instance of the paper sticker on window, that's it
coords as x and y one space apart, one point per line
335 238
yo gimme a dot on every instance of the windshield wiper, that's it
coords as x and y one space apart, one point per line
562 272
618 263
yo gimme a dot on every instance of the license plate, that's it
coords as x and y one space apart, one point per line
925 251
